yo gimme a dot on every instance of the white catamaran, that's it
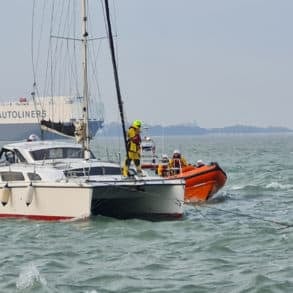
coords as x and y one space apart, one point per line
53 180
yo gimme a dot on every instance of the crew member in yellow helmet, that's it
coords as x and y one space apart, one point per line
133 147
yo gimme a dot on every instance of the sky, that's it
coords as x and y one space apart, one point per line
216 63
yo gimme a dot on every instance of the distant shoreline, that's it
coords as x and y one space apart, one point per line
114 129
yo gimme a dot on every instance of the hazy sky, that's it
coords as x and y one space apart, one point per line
216 62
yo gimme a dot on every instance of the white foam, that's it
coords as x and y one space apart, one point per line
277 185
29 277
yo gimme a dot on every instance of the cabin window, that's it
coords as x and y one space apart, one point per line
9 157
34 176
76 172
39 155
12 176
112 171
19 156
93 171
73 153
57 153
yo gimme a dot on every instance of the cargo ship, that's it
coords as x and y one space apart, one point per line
20 117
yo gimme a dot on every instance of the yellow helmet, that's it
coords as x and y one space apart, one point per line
136 123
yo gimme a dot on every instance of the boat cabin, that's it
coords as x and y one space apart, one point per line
64 156
39 151
28 173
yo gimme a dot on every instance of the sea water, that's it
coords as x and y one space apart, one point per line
241 241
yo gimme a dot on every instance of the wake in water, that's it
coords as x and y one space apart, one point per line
30 277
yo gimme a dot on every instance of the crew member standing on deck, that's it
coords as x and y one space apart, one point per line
133 147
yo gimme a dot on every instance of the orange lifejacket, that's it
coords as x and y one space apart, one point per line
163 169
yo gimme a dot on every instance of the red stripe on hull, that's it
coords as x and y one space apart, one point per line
153 217
35 217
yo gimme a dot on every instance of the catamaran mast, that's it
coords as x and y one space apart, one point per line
84 39
112 49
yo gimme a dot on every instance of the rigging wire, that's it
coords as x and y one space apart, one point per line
57 76
49 69
106 29
35 61
94 53
32 47
205 217
55 35
33 94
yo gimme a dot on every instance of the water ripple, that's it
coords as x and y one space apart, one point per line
234 243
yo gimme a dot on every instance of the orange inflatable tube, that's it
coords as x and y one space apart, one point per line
201 183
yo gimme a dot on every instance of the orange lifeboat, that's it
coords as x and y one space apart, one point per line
201 183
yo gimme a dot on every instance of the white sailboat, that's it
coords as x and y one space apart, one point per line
56 180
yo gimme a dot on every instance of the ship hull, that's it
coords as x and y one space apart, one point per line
22 117
15 132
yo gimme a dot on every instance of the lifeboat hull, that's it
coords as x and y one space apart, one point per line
202 183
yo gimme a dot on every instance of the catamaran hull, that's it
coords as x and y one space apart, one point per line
45 202
139 200
61 201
